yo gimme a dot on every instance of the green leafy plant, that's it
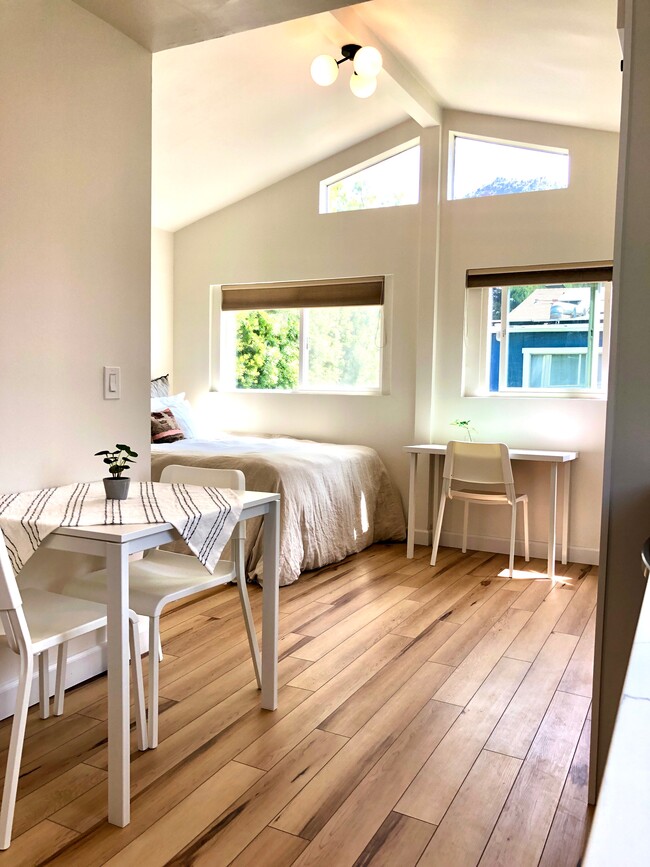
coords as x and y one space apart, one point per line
464 425
118 460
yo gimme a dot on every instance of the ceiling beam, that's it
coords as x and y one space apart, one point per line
161 24
345 25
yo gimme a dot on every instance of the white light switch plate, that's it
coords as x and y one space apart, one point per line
112 383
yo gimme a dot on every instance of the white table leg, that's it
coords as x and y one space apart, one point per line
117 566
434 487
566 482
410 525
552 509
270 601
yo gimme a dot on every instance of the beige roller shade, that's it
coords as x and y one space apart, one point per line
348 292
568 272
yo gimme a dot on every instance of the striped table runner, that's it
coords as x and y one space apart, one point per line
204 517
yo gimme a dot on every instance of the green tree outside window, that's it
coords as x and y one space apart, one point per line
268 347
342 349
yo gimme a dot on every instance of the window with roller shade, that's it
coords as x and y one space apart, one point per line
540 330
303 336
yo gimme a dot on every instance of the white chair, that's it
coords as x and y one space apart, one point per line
34 621
480 464
161 577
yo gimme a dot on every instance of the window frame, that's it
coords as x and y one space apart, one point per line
451 163
222 350
477 346
323 196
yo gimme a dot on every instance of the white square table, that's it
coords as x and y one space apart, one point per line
116 542
437 452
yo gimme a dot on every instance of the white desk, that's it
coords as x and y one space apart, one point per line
436 453
115 543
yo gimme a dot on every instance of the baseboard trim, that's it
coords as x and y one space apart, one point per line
538 549
81 666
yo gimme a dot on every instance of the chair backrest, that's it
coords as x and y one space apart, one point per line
478 463
11 604
9 592
209 477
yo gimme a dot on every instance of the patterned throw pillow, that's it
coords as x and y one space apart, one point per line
164 427
160 386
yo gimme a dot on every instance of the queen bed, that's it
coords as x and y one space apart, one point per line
335 499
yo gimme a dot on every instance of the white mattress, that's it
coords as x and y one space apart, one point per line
335 499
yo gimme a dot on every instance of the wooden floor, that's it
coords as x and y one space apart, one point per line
427 715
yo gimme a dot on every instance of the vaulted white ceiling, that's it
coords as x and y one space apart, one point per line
235 114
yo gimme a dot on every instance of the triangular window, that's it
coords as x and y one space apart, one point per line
386 181
483 167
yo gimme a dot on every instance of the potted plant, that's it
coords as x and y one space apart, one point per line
119 460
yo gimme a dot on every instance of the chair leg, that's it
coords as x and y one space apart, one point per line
154 662
436 535
15 749
160 653
465 522
138 683
526 538
44 683
248 614
513 532
61 666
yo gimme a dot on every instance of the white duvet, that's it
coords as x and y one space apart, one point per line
335 499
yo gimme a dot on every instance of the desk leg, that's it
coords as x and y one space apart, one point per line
410 527
566 482
270 601
119 794
552 517
434 488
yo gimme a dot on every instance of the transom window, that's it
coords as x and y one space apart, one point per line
326 336
548 337
483 167
386 181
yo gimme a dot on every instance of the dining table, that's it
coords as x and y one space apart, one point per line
116 543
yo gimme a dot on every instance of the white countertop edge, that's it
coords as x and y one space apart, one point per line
620 833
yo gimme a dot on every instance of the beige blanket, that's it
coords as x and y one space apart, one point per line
335 499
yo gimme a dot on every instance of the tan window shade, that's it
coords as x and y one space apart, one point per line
351 292
569 272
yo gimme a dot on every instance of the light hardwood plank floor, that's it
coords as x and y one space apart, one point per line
428 715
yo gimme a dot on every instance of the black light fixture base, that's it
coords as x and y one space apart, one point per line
348 51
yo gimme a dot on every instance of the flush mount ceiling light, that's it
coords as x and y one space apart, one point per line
367 65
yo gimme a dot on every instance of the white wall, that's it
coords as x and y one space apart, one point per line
75 151
278 234
162 302
75 158
572 225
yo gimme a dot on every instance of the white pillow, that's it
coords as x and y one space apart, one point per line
182 411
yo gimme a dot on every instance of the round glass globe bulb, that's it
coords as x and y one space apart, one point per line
363 85
367 61
324 69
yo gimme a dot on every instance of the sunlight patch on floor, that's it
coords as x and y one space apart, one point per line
521 574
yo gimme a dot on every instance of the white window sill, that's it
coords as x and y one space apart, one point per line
374 393
539 393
